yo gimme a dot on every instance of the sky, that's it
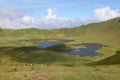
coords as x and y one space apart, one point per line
50 14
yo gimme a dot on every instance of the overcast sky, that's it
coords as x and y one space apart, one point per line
49 14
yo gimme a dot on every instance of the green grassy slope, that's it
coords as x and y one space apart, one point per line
20 60
114 59
107 32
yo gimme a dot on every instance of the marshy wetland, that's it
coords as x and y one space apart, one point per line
47 60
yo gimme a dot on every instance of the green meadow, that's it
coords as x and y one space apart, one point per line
20 59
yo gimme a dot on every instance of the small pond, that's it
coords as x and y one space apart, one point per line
90 49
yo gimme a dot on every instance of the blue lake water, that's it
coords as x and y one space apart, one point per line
90 49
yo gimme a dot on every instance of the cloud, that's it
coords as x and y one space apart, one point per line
16 19
52 21
51 13
106 13
61 22
27 20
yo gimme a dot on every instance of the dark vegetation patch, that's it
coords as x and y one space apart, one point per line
35 55
112 60
61 46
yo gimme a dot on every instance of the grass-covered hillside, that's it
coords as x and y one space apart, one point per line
107 32
21 60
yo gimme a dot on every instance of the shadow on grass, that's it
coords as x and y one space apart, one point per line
115 59
35 55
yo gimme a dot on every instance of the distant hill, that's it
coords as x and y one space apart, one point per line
107 32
